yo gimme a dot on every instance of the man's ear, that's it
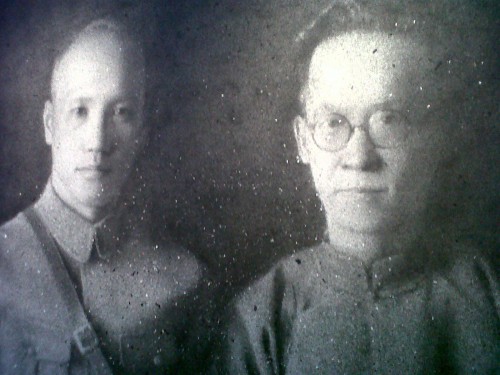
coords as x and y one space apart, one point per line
48 122
302 138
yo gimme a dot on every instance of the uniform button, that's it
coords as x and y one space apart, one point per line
157 360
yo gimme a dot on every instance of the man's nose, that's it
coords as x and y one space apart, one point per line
360 152
97 134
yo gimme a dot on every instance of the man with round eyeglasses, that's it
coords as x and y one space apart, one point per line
378 121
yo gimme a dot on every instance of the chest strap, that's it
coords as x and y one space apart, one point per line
84 336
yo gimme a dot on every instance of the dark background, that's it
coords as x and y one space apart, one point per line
220 172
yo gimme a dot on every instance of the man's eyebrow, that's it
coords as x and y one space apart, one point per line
129 100
78 99
390 104
127 97
87 99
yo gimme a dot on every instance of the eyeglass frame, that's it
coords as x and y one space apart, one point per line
403 124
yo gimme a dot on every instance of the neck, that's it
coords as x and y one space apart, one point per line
370 245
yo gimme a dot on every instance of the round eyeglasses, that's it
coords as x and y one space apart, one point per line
387 129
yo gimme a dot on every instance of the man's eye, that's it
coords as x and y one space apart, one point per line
336 120
124 113
80 111
386 118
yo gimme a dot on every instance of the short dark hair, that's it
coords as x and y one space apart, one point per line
463 32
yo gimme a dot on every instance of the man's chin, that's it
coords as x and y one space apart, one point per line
99 202
99 192
97 199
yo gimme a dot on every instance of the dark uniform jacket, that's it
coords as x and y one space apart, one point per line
320 312
140 297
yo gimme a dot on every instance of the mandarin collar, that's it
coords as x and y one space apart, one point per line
384 277
73 233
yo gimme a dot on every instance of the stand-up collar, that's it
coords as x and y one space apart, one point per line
385 276
74 234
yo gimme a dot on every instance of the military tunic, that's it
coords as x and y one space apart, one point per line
142 298
321 312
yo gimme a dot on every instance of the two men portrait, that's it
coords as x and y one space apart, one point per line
220 203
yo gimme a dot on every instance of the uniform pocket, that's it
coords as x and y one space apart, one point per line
53 351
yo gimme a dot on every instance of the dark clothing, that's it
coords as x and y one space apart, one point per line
321 312
141 297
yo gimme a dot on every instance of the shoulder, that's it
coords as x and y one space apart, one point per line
468 284
26 295
150 247
155 249
267 310
15 231
27 282
19 244
290 282
17 241
174 261
464 305
167 273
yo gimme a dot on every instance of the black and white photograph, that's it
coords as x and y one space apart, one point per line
249 187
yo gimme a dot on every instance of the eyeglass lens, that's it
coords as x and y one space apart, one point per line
387 129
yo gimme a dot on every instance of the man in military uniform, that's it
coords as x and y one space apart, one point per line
378 117
83 288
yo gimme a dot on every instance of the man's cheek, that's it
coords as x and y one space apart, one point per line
323 179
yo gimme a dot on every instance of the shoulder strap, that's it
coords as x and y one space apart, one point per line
84 336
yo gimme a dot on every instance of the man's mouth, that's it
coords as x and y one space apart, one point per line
94 170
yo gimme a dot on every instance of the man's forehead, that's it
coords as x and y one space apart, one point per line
358 55
101 45
358 65
98 52
377 66
363 43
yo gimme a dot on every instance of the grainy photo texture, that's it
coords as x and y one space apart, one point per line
232 187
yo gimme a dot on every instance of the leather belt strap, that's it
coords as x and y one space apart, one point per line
84 336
